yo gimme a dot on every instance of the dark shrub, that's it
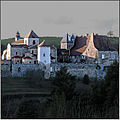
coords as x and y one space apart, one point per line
86 79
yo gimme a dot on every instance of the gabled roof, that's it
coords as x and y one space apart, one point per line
43 44
102 43
80 45
31 34
18 42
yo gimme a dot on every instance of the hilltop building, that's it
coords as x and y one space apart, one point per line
29 50
88 49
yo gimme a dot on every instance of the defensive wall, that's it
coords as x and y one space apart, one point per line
76 69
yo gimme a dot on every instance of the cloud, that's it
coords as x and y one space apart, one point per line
62 20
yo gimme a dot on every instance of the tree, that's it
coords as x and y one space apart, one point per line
86 79
112 83
64 82
110 33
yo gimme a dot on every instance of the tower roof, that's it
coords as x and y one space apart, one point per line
31 34
66 39
43 44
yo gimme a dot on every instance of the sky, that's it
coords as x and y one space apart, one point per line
58 18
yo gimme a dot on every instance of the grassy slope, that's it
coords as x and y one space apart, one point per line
115 42
21 85
50 40
56 41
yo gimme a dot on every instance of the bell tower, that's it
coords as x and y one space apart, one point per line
17 37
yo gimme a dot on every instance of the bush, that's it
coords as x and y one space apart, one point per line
28 109
86 79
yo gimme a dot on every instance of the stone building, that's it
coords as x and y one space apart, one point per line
27 50
90 49
67 42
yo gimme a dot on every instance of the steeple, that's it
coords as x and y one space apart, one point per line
17 37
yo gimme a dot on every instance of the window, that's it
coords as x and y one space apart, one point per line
19 69
33 42
25 41
113 56
32 51
44 55
103 56
16 53
51 69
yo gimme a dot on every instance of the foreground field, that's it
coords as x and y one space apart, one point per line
12 86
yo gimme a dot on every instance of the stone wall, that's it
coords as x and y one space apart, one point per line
6 70
79 70
19 70
76 69
107 57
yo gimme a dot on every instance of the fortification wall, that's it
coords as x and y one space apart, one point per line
19 70
79 70
6 70
76 69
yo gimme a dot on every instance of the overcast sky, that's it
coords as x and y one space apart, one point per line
58 18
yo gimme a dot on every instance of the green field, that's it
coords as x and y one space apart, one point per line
56 41
115 42
22 85
49 40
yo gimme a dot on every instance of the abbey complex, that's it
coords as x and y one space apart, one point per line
88 54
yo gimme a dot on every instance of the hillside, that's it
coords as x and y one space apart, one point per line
50 41
115 42
55 41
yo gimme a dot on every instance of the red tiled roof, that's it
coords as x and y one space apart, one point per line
16 57
20 41
52 47
43 44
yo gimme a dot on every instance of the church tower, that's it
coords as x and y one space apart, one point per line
17 37
67 42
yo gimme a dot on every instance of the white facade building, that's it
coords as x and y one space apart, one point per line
44 53
29 50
